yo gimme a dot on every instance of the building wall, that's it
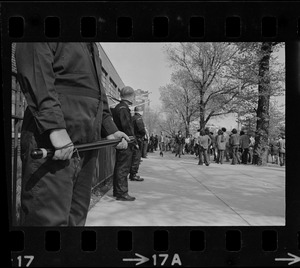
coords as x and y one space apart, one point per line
111 80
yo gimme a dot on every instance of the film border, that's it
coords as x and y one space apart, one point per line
178 14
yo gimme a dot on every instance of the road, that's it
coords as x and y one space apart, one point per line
179 192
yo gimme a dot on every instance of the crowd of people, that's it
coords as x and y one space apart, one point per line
234 147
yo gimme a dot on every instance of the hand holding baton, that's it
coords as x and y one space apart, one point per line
41 153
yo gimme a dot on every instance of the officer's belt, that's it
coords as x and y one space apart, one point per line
75 91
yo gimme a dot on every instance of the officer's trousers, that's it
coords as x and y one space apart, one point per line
56 192
135 163
121 171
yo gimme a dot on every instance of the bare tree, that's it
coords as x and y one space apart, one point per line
179 99
151 120
206 66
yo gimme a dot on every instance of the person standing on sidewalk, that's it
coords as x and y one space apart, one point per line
123 120
151 143
161 143
204 143
221 146
251 149
274 148
179 140
145 144
227 149
281 145
244 145
234 143
67 105
139 133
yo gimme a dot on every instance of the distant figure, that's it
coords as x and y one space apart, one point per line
161 140
234 143
281 144
204 143
221 146
179 140
274 151
155 142
145 144
244 145
227 149
151 143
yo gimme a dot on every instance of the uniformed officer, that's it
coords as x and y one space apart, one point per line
139 133
123 120
67 105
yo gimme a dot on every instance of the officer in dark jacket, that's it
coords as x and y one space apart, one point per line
66 105
123 120
139 133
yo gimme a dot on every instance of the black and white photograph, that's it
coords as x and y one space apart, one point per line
148 134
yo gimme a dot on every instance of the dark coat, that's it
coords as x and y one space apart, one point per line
138 126
62 86
123 119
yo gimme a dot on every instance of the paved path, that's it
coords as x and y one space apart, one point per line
178 192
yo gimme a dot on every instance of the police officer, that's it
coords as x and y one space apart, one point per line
139 133
123 120
67 105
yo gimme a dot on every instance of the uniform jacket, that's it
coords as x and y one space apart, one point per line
138 126
62 86
123 119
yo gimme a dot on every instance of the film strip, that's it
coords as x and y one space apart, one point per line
151 22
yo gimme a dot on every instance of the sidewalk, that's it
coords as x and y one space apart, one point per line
178 192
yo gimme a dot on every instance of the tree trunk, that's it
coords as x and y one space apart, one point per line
202 111
262 124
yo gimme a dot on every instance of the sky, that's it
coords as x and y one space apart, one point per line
145 66
141 66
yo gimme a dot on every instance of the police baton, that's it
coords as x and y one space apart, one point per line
41 153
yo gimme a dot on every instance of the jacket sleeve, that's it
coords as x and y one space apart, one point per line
108 126
36 77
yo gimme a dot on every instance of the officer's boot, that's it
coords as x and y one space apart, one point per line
135 178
